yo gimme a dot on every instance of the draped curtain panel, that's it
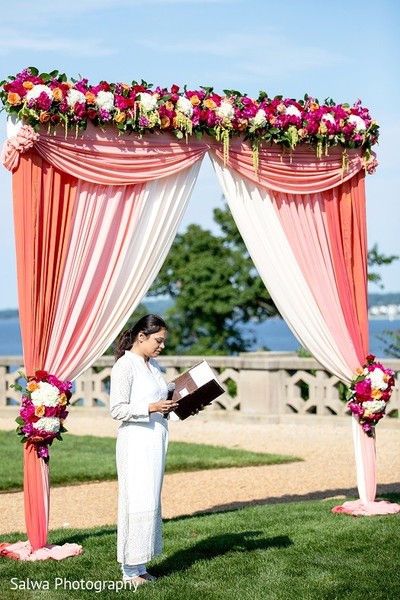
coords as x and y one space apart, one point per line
87 251
306 235
95 216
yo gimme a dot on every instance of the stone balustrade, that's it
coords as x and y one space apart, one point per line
276 386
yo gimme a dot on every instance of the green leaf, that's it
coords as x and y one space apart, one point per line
20 420
34 71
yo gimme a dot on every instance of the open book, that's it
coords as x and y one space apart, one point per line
195 388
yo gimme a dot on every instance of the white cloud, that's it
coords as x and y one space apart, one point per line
14 40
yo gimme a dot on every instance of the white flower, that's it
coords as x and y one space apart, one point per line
105 100
374 406
147 101
260 118
359 122
225 110
377 380
50 424
293 110
328 117
74 97
37 90
46 394
184 106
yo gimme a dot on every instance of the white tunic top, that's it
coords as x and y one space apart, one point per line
142 443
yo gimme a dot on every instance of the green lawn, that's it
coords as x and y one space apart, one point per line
285 551
86 458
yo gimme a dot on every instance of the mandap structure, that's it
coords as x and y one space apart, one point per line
102 175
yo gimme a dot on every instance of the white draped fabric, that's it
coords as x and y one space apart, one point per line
270 250
136 233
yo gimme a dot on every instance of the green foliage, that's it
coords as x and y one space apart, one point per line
391 339
376 259
215 289
77 460
275 551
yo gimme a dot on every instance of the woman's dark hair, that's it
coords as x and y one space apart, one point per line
148 324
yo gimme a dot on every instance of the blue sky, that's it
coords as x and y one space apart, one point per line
344 51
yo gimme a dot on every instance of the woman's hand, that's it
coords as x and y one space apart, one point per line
163 406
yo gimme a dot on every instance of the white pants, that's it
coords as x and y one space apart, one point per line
130 571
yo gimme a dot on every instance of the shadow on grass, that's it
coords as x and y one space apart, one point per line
219 545
389 491
81 536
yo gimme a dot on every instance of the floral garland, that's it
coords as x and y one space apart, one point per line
369 394
43 410
50 98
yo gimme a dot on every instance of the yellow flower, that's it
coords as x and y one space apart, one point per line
209 103
63 399
195 100
28 85
120 117
375 393
57 94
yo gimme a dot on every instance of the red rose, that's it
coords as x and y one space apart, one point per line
41 375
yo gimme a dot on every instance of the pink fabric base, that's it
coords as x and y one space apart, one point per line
23 551
370 509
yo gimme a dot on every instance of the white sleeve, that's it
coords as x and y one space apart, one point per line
120 394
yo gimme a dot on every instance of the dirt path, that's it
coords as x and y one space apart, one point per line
327 471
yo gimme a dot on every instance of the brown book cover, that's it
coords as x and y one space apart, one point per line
195 388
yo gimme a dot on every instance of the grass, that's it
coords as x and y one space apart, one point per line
86 458
286 551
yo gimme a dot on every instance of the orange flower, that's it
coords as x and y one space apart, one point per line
28 85
195 100
32 386
272 120
375 393
63 399
209 103
125 87
39 411
14 98
90 98
169 105
44 117
314 106
57 94
165 122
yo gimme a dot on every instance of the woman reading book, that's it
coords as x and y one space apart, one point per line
138 398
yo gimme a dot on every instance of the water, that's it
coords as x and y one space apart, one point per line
273 334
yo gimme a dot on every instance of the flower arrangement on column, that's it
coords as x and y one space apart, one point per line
369 393
43 410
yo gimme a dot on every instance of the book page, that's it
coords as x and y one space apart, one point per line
201 373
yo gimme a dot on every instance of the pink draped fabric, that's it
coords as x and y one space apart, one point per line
297 172
104 158
66 267
321 208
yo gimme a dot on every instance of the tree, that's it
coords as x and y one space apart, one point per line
375 258
215 289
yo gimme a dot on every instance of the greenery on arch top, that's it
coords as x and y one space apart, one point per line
54 99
